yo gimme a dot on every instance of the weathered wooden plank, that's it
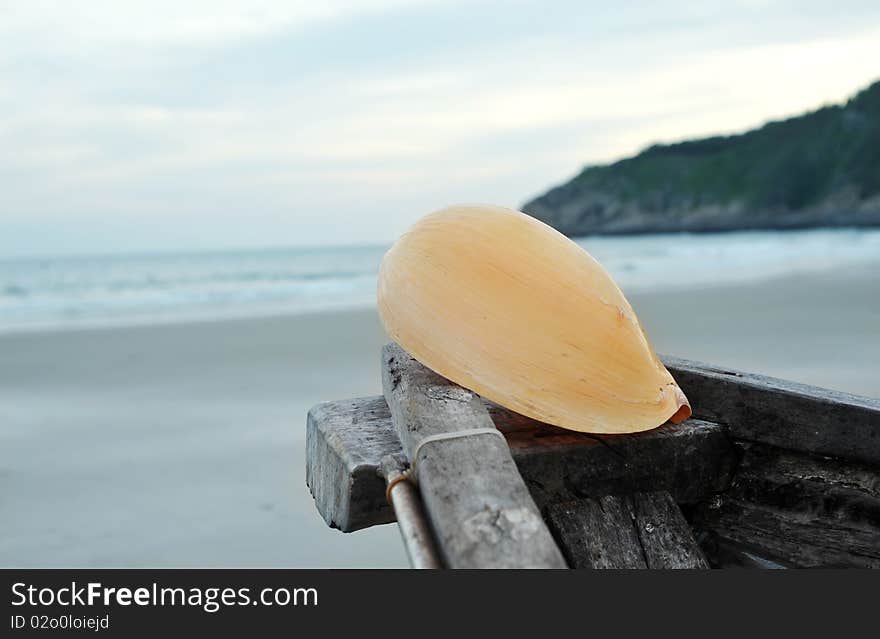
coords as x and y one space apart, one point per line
691 460
597 533
665 535
722 553
479 507
345 443
794 510
845 492
789 538
642 530
782 413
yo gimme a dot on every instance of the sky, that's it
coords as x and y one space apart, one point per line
201 125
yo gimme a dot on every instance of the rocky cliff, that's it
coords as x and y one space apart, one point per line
818 169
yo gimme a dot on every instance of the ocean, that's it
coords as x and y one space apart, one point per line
71 292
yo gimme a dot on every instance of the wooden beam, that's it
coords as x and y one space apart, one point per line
346 441
643 530
786 538
782 413
691 460
478 506
793 509
597 533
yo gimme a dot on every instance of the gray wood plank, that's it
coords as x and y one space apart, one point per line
665 535
847 492
348 439
643 530
796 510
788 538
597 533
479 507
690 460
345 443
782 413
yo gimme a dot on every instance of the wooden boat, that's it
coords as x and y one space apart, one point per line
766 474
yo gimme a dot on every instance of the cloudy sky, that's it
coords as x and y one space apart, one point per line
166 125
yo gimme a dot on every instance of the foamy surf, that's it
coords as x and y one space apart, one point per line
77 292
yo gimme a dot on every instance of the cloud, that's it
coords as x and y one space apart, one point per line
342 122
162 22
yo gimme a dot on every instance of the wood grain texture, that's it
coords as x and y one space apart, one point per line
345 443
794 510
782 413
691 460
597 533
479 508
642 530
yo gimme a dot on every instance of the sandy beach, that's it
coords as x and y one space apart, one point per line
183 444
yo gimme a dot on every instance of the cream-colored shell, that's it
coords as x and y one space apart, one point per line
508 307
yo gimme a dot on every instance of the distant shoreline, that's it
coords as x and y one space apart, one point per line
79 294
707 230
846 274
816 170
379 246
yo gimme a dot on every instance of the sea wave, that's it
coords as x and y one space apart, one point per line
40 294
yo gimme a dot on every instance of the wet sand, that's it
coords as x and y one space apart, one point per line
183 445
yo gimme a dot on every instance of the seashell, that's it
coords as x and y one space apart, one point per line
510 308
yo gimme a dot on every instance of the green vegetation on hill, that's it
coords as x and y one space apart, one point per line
818 169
